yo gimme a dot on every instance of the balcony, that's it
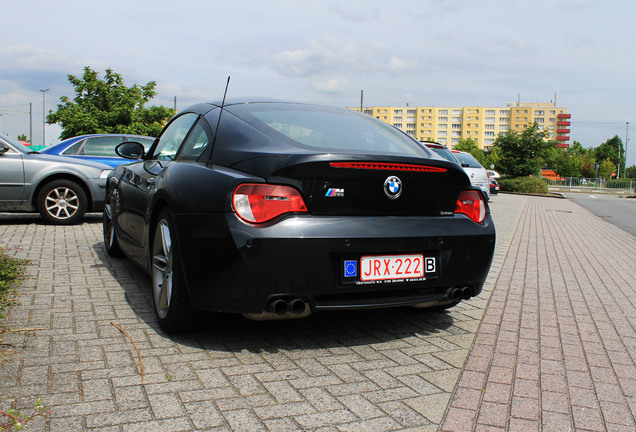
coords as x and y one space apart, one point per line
564 116
563 123
563 138
563 145
563 130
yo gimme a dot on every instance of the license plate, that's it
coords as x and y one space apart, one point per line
375 268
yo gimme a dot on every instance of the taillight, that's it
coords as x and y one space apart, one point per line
258 203
472 204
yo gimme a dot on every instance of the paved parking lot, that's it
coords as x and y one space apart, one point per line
381 370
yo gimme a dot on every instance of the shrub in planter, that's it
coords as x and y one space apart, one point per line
533 185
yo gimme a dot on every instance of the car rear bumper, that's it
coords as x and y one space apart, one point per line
245 269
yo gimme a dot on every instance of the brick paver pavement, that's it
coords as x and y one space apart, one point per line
373 370
556 349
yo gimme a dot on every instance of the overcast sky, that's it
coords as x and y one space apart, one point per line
420 52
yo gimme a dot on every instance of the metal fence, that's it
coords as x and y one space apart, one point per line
592 184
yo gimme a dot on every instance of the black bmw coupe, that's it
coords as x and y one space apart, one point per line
280 210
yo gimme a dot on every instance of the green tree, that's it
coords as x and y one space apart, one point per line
610 150
630 172
491 158
523 154
606 169
108 106
587 169
23 137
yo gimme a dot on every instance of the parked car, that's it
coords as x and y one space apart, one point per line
97 147
493 174
59 188
280 210
441 150
477 173
494 186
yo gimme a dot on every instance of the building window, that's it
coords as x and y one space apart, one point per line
489 141
552 112
504 112
397 111
504 119
397 118
455 140
442 133
457 112
490 112
456 126
489 134
411 118
456 133
397 125
503 127
443 112
489 119
411 112
410 132
442 140
443 126
410 126
539 120
489 126
539 112
442 119
457 119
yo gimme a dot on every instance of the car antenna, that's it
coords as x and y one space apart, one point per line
216 132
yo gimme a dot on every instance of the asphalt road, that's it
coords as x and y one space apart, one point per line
615 209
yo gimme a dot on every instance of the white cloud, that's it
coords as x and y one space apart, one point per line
333 85
328 55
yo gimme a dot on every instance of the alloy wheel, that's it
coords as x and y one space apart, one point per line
162 268
62 203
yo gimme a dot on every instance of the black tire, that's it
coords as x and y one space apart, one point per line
172 307
110 235
62 202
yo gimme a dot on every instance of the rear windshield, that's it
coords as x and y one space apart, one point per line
466 159
445 153
330 130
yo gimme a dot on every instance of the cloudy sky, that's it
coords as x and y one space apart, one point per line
420 52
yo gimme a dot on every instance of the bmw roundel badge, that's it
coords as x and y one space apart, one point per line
393 187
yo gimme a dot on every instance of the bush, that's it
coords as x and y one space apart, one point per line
532 185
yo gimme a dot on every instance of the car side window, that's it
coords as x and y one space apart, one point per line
173 136
195 145
72 150
101 146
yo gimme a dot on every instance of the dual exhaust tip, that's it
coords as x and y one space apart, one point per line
282 307
458 294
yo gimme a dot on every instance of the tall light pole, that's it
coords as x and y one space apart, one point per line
43 116
626 141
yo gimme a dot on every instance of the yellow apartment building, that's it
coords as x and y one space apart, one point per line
448 125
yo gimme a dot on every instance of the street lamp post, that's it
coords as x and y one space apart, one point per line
626 141
43 116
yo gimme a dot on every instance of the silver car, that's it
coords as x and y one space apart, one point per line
59 188
476 173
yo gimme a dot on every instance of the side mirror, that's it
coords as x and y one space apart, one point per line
130 150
